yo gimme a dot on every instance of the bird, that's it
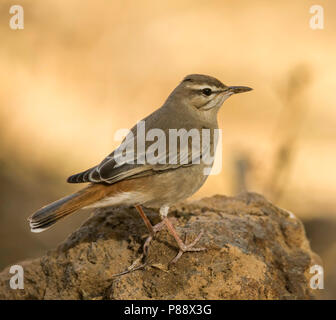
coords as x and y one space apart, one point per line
133 179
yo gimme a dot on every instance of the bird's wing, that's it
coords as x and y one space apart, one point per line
118 166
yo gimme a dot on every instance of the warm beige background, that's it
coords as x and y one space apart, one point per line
80 70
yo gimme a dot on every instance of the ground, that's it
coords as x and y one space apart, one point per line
255 250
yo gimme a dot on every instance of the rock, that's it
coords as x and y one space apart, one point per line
254 251
321 232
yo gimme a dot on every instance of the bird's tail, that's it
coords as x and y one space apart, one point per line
51 213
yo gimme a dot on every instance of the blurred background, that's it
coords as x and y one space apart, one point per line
80 70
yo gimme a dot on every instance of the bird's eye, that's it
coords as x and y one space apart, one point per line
206 91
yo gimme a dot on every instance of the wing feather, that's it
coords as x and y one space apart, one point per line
117 166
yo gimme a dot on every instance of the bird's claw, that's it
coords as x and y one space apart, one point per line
188 248
158 227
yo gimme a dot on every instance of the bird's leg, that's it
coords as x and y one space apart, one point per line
156 228
145 219
136 265
152 229
182 245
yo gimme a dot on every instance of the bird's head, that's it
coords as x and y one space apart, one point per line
204 93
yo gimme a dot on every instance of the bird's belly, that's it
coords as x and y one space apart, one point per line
171 187
123 198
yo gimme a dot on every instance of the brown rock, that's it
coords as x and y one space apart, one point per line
255 251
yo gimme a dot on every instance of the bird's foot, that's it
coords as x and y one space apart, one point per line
136 265
156 228
187 247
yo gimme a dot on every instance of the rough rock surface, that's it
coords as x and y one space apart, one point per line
255 251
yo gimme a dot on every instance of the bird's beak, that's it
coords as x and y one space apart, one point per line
238 89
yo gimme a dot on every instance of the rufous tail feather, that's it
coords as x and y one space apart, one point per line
51 213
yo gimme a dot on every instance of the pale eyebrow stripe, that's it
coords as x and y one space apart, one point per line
202 86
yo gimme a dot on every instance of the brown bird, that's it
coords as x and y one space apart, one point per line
142 171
